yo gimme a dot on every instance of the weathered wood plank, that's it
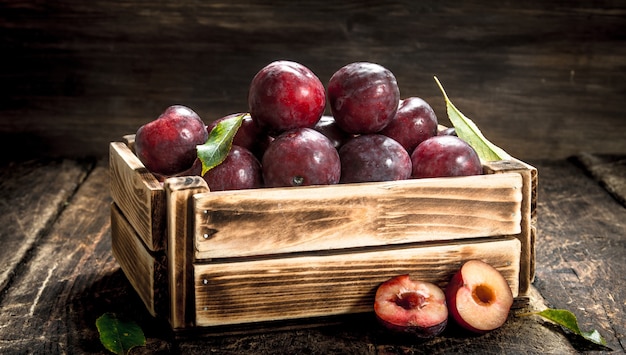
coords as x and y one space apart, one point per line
138 194
178 192
32 194
580 251
282 220
146 271
541 78
70 279
39 311
340 283
528 223
609 170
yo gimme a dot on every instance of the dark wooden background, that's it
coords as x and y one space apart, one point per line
75 75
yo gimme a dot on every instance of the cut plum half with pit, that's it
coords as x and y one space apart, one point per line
411 307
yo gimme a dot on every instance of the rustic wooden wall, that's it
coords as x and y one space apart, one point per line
541 78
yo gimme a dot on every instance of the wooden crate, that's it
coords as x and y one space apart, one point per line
205 259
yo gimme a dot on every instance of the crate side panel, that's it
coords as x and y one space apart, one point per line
325 285
138 194
179 246
528 223
284 220
143 270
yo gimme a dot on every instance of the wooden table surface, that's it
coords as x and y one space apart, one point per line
57 274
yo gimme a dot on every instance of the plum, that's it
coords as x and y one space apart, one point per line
240 170
167 145
373 157
299 157
363 97
443 156
285 95
478 297
414 122
411 307
328 127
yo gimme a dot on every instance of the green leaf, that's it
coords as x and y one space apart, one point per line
467 130
568 320
119 336
214 151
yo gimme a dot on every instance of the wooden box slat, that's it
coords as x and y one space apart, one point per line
340 283
145 271
138 194
283 220
528 223
179 191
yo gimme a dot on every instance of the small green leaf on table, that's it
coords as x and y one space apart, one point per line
467 130
567 320
214 151
119 336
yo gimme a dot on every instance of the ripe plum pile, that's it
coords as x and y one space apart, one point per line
287 140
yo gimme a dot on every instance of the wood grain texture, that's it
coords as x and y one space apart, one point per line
138 194
528 208
147 272
32 195
340 283
541 78
580 251
283 220
39 312
178 192
609 170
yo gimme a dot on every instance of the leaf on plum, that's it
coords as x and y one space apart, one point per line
467 130
214 151
119 336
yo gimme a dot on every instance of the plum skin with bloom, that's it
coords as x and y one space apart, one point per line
240 170
301 157
167 145
363 97
445 156
373 157
414 122
285 95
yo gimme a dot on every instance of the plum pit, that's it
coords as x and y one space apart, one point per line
410 300
483 295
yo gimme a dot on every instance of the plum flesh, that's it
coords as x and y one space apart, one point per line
412 307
